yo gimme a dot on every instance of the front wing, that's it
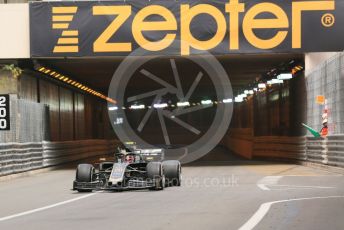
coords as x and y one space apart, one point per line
131 184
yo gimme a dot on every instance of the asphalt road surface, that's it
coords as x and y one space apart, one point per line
219 192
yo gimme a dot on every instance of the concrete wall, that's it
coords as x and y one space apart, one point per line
70 115
8 84
14 31
326 79
313 60
14 1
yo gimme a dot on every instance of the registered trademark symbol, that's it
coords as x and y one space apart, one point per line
327 20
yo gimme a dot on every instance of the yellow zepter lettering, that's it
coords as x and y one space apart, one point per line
102 44
61 18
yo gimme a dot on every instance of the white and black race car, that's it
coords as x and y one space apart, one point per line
140 169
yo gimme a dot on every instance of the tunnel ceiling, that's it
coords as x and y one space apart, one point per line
97 73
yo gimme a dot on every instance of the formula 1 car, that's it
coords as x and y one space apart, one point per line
139 169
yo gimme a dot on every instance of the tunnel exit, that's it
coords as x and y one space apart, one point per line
170 102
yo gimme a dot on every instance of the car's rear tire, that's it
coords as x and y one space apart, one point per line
155 173
172 171
84 173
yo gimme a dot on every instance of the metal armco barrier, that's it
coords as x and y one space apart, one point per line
328 151
316 150
240 141
20 157
324 151
335 150
243 143
280 147
55 153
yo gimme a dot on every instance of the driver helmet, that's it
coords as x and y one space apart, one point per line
129 158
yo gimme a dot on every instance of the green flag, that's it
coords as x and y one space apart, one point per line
314 132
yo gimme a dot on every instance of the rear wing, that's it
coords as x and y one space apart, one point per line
156 154
151 154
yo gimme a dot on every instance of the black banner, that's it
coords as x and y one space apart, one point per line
4 112
113 28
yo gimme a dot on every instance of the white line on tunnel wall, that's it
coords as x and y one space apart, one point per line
45 207
264 209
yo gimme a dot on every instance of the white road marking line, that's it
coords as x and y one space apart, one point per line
335 175
299 186
268 180
262 187
45 207
264 208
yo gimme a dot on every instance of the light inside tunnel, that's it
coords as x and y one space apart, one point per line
275 81
137 106
71 82
183 104
285 76
160 106
238 99
113 108
206 102
228 100
261 85
280 75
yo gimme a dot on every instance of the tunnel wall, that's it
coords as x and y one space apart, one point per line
323 76
277 111
71 115
268 124
50 124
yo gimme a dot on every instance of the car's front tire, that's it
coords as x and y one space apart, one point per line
84 173
155 173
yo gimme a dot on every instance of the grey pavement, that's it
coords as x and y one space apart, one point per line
214 195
